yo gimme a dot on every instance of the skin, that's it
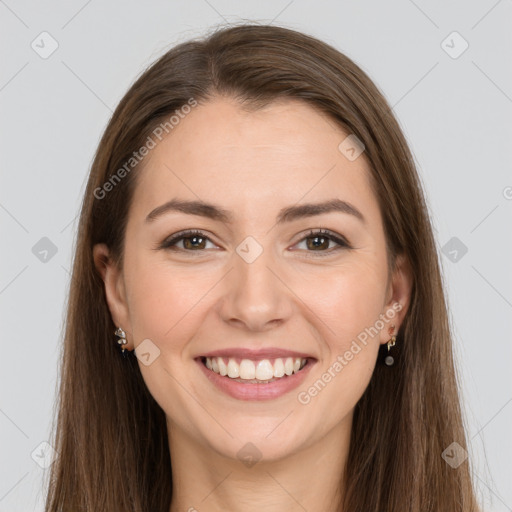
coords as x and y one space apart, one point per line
189 303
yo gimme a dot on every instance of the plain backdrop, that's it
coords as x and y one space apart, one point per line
445 67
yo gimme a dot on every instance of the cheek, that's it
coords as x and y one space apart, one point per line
164 302
167 305
346 299
348 304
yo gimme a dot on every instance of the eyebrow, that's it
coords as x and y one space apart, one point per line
287 214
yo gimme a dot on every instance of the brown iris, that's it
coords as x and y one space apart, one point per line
316 246
188 242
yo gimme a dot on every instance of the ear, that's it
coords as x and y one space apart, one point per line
114 290
398 297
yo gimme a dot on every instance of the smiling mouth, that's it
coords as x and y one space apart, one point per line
250 371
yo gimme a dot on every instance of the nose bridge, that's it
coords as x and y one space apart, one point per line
254 295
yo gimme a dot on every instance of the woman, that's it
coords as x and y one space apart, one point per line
255 235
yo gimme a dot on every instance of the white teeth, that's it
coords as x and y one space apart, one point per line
278 367
262 370
288 366
247 369
223 369
233 369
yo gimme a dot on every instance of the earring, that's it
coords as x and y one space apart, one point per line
389 359
122 341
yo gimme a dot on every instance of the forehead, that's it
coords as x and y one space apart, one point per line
253 161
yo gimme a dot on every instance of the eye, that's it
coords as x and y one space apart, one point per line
193 240
321 241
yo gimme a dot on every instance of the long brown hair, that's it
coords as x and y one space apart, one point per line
111 435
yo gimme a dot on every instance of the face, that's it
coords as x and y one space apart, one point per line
261 279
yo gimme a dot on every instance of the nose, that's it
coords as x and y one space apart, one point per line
255 295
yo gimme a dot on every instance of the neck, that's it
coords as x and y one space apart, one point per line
308 479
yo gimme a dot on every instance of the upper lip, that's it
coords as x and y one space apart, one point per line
265 353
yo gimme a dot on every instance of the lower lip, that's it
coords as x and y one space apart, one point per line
242 391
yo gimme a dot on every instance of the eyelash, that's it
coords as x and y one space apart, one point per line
169 243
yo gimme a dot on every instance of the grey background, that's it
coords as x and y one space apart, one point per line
455 113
